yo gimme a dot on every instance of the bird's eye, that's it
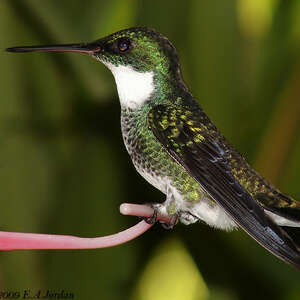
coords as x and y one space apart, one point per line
123 45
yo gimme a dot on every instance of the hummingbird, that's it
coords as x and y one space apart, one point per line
176 147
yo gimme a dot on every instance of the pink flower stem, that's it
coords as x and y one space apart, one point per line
23 241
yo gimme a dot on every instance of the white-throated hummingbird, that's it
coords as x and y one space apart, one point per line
175 146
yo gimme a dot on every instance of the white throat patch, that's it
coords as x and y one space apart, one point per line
134 88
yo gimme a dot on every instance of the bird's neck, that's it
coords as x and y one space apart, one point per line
136 89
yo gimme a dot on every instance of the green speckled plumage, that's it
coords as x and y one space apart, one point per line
149 156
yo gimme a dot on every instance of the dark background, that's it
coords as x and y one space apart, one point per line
64 169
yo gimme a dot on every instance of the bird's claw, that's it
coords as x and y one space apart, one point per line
153 218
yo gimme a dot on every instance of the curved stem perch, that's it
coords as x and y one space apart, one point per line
23 241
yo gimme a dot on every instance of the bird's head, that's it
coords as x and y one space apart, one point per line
140 59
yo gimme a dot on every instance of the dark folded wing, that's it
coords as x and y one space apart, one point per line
194 142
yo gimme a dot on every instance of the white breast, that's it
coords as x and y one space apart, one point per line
134 88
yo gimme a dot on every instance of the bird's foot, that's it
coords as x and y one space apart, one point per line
153 218
159 211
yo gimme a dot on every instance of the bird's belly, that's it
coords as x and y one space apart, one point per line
212 214
205 209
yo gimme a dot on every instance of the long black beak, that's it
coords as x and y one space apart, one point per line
89 48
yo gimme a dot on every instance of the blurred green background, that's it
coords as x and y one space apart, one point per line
64 169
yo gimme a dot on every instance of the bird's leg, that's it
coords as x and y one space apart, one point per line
167 209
